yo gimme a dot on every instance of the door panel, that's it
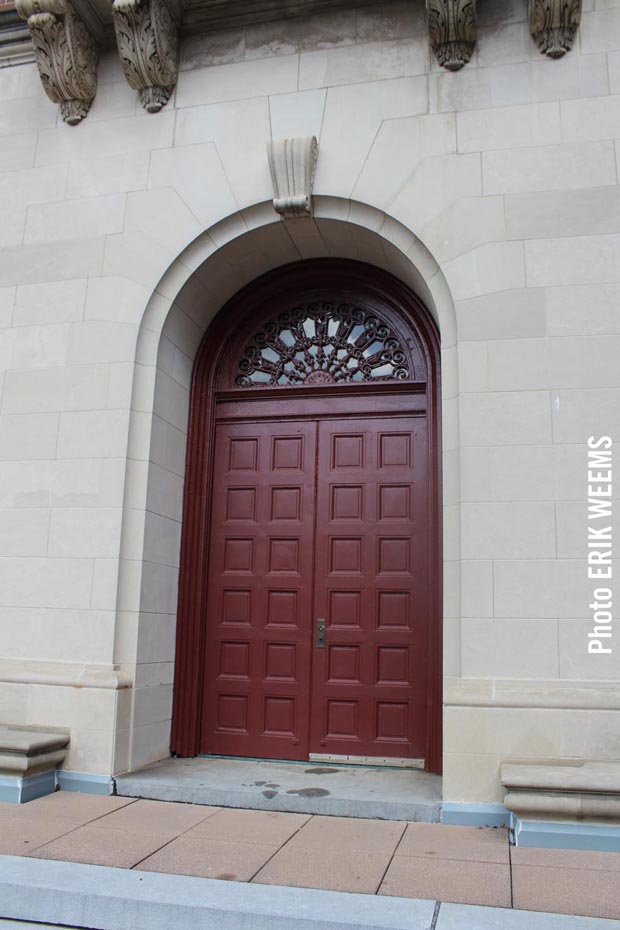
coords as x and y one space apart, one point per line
260 590
318 519
371 587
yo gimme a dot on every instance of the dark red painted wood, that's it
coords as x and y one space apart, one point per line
371 586
259 602
309 280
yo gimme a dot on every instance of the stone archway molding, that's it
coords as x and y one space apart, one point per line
189 294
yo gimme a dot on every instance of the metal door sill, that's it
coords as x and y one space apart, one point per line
383 761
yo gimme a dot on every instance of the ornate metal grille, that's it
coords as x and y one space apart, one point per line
323 344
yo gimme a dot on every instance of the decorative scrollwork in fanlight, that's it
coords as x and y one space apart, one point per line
323 343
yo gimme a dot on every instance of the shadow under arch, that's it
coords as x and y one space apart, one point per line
200 282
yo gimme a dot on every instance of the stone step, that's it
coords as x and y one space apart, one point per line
306 787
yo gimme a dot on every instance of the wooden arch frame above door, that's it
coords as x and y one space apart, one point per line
239 318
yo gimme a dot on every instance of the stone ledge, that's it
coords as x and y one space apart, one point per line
64 674
27 752
538 693
28 762
590 777
563 790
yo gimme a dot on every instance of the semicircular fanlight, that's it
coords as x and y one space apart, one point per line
321 343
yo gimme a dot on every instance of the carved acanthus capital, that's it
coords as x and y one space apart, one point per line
147 36
292 163
66 55
554 24
452 31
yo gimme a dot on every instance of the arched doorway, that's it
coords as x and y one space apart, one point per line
309 606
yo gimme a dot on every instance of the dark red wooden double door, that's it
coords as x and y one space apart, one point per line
320 516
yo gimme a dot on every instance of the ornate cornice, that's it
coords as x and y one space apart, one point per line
62 36
292 163
452 31
148 44
66 55
554 24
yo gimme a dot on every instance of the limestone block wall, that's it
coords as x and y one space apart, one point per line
493 191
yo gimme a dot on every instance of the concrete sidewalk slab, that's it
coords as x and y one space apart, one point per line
349 835
243 826
159 817
584 883
95 845
473 844
451 880
205 858
296 787
333 869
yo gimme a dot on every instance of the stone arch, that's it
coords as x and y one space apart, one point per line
206 274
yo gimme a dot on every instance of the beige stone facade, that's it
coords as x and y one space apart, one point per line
492 191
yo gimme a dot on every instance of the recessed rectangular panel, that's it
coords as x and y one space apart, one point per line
241 504
344 608
347 451
394 449
238 555
345 555
282 608
394 609
243 455
280 661
283 555
279 716
394 555
285 504
392 720
234 660
347 502
342 719
236 606
395 502
232 713
343 664
287 452
392 665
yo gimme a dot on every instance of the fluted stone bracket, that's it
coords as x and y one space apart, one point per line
147 36
66 55
292 163
452 31
554 25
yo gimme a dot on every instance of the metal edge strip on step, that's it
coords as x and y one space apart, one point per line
378 761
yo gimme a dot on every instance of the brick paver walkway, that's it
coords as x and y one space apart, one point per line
453 864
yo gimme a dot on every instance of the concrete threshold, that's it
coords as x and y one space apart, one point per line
56 894
296 787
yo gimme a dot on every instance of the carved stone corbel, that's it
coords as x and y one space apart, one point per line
554 24
452 31
292 163
147 37
66 55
